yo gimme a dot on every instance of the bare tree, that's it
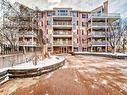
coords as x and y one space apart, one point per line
114 35
124 36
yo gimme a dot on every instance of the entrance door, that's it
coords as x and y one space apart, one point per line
63 50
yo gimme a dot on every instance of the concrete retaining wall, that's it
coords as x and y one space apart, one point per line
13 59
21 73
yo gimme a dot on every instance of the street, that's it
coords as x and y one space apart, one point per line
81 75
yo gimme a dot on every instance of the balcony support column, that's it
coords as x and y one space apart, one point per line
91 33
106 38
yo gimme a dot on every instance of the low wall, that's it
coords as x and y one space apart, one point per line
118 56
13 59
6 74
33 72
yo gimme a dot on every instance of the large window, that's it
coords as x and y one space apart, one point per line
74 14
49 22
51 13
99 13
62 12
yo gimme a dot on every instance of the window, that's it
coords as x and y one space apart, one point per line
49 13
98 13
74 14
62 12
77 31
84 24
82 32
49 22
83 15
41 23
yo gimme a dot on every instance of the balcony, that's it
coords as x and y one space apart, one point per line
96 34
101 17
98 43
62 17
62 34
28 43
97 25
62 43
109 15
27 34
62 24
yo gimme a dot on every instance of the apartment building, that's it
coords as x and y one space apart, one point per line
26 36
99 28
64 29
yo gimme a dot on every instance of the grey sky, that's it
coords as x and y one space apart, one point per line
85 5
118 6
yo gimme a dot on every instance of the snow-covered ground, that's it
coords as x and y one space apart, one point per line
103 53
40 63
29 65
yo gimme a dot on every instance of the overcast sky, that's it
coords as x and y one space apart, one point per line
85 5
118 6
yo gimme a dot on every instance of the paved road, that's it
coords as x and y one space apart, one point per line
81 75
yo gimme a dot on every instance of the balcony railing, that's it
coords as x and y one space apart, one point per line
62 23
28 43
98 43
62 43
105 15
97 34
28 34
62 33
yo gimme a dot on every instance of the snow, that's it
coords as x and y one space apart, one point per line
41 63
113 63
104 82
103 53
6 79
49 75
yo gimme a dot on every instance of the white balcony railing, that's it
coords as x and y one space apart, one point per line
62 33
28 43
97 34
105 15
98 43
62 23
62 43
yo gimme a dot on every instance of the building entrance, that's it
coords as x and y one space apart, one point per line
60 50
